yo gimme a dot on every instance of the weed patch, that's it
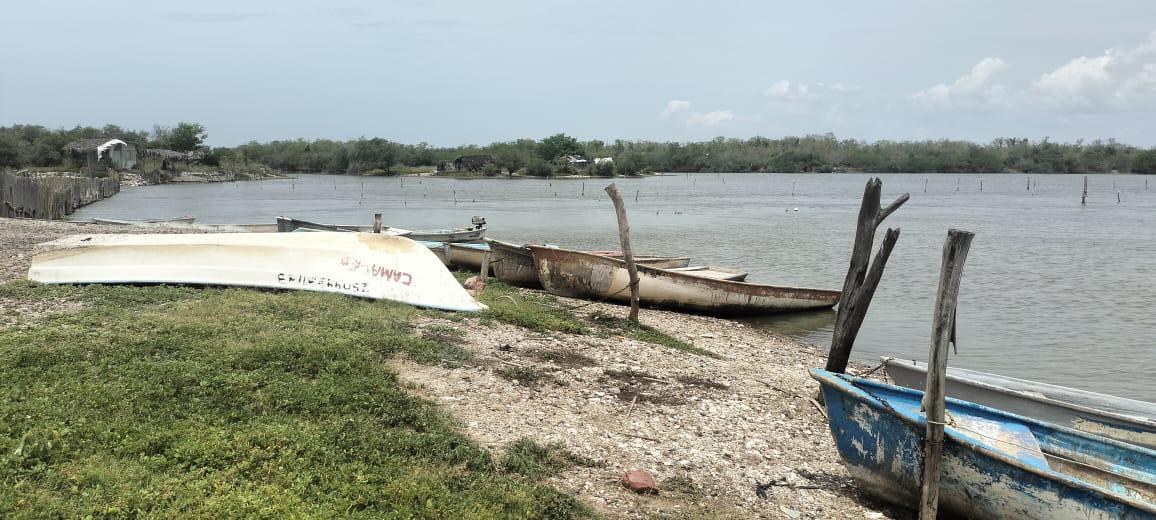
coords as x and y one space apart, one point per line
639 332
531 460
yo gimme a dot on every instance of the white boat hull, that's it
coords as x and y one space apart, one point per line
358 264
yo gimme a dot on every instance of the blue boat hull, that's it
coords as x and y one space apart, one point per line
996 465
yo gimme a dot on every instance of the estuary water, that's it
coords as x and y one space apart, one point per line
1052 290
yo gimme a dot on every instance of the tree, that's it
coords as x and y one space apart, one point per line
1145 162
186 137
557 145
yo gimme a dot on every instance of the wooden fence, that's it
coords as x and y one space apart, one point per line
50 197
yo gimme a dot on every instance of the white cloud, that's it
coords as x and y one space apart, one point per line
972 89
782 90
1118 79
800 98
713 118
674 106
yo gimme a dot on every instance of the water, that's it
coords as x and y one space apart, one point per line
1052 290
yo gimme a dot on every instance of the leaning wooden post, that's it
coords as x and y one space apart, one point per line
863 275
627 255
377 222
942 334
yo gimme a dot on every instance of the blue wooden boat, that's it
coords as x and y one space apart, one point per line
995 464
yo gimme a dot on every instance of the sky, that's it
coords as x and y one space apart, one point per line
450 73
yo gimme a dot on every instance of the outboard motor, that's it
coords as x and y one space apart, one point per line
478 222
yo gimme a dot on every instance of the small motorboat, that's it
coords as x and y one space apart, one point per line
144 222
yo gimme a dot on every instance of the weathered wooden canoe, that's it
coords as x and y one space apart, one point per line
144 222
514 264
582 275
289 225
995 464
467 255
1122 419
359 264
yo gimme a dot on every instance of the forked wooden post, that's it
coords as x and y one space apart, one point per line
377 222
863 275
627 255
942 334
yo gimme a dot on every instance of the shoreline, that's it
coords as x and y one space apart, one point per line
732 436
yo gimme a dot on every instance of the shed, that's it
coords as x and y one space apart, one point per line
101 153
171 159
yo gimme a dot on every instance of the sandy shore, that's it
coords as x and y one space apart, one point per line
732 437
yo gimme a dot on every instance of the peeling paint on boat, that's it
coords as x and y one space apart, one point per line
582 275
989 469
1126 420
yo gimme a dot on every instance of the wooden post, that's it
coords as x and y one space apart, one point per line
942 334
1084 197
1117 196
377 222
863 275
627 255
485 274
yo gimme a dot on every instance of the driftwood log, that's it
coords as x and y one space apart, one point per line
627 255
863 275
942 335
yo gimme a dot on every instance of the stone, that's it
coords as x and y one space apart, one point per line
639 481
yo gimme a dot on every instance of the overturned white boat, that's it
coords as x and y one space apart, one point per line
359 264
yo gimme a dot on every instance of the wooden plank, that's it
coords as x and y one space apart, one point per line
942 335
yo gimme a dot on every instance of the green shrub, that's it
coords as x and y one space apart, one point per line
539 168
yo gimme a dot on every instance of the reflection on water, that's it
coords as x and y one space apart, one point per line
1053 290
811 326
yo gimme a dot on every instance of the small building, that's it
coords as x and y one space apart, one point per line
102 153
577 161
600 160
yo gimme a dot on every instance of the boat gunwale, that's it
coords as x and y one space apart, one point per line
1130 419
839 383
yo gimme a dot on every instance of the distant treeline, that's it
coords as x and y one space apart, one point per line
27 145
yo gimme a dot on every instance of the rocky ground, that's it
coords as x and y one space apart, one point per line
733 436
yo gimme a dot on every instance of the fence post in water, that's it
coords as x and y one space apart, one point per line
377 222
627 255
1084 197
863 275
942 334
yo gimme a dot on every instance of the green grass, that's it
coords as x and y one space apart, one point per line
224 403
535 311
531 460
639 332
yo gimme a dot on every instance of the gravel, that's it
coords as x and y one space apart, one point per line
735 437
